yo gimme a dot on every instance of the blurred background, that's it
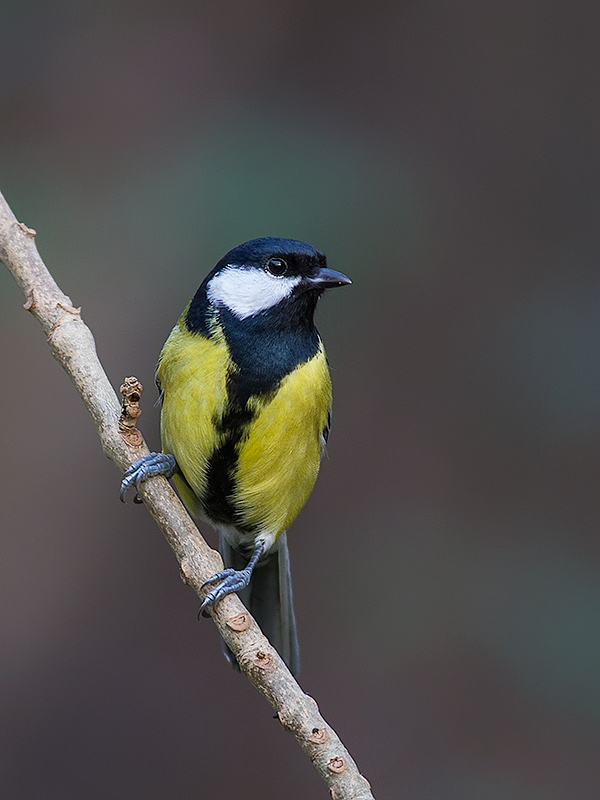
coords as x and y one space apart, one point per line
447 566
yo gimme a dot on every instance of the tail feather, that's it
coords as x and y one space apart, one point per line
269 599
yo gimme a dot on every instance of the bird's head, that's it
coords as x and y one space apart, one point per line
269 273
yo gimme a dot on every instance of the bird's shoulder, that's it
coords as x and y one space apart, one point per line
188 356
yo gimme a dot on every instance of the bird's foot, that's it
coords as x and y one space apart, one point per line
147 467
229 581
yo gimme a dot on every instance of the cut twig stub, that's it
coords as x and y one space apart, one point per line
239 623
30 303
263 660
26 229
69 308
337 764
318 736
130 411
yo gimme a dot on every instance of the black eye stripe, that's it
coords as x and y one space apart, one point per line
277 267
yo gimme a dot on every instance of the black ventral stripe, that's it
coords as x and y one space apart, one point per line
220 482
232 426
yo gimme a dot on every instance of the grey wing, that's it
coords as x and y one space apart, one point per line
325 433
161 391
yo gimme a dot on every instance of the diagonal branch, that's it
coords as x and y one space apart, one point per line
72 345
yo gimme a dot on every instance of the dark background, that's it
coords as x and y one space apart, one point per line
447 566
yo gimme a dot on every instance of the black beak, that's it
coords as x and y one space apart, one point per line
329 279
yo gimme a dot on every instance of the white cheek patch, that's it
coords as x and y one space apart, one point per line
246 292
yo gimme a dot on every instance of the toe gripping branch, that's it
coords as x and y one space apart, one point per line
229 581
147 467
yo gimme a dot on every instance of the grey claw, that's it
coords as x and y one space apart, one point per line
202 612
218 576
147 467
232 580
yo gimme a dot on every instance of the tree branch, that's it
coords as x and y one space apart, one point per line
73 346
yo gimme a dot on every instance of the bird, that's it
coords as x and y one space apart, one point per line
245 416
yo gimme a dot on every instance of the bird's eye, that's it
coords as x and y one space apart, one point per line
277 267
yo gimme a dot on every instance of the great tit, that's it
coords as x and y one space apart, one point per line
246 411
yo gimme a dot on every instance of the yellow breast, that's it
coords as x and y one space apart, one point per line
192 371
278 455
279 459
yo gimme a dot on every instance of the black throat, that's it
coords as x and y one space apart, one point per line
264 348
